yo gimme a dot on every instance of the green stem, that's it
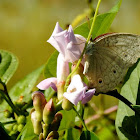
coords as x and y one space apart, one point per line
94 19
88 38
9 102
83 123
10 122
28 105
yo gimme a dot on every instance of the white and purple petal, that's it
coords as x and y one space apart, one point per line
62 68
75 97
50 82
88 96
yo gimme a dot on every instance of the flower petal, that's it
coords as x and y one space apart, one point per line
62 68
76 83
88 96
71 35
76 96
50 82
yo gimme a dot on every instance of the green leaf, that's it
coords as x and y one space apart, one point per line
72 134
49 93
22 87
138 112
50 68
28 132
87 135
8 65
126 119
102 23
25 86
68 120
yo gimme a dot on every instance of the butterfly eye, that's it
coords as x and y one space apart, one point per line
100 80
114 71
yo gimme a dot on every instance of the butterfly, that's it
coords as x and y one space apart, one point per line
108 58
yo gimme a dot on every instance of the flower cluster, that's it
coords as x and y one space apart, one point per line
70 47
45 119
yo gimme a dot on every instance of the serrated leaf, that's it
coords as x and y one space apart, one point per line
25 86
126 119
88 135
8 65
102 23
50 67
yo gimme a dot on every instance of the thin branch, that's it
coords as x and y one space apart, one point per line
98 116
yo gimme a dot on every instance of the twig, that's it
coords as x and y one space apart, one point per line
97 116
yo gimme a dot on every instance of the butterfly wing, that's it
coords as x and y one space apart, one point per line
108 59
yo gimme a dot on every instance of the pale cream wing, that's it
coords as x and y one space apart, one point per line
108 58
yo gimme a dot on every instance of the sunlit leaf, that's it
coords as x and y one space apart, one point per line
102 23
126 119
22 88
8 65
25 86
50 68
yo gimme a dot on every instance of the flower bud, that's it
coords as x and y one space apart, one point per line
20 127
45 130
21 119
36 124
41 136
7 114
39 102
15 128
56 122
48 112
66 104
52 135
60 89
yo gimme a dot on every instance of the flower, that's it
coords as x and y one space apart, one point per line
62 73
49 82
77 91
67 43
62 69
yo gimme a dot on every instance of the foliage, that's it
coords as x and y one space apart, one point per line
127 120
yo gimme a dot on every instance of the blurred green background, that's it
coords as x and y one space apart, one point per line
25 25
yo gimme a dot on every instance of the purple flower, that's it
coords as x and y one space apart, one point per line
77 91
50 82
62 69
62 73
69 45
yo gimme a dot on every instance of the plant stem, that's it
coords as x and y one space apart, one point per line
10 122
94 19
88 38
83 123
115 94
9 102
